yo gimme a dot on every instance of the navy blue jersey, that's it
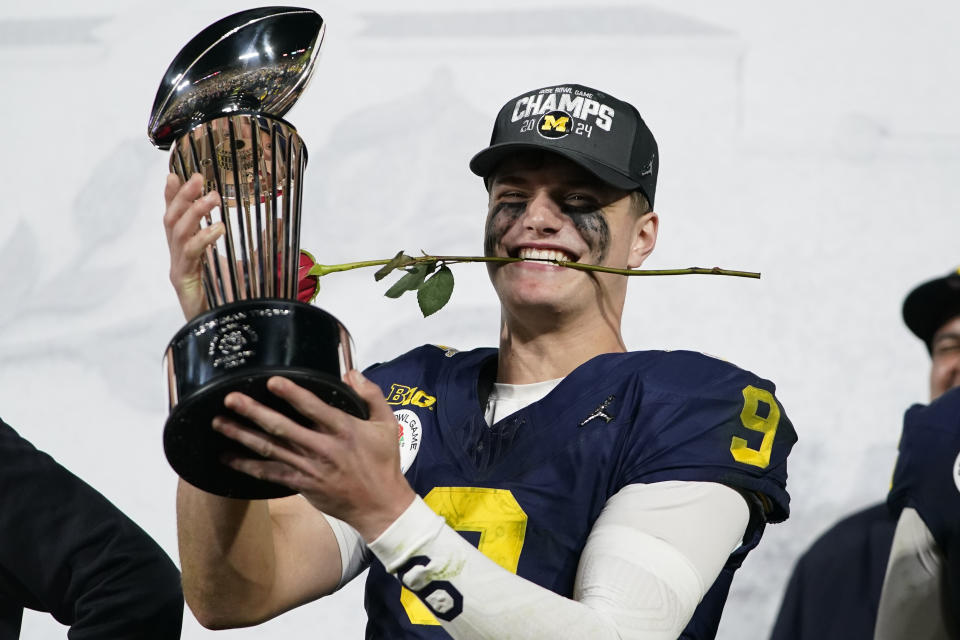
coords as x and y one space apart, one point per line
528 489
927 475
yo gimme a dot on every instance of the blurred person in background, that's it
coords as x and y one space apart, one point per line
921 591
67 550
835 589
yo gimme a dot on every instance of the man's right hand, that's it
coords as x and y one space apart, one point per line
187 241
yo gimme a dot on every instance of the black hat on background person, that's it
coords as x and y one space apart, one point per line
596 131
931 305
932 312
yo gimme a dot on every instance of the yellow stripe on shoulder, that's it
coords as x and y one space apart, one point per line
448 351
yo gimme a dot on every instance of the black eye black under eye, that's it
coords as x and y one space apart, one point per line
580 209
512 207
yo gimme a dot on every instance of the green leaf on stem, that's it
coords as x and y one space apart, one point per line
435 292
412 279
399 260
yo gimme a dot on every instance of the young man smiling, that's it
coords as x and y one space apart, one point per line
575 482
545 207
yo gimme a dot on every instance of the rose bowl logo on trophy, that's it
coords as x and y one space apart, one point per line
219 111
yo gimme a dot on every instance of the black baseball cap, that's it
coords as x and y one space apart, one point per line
600 133
931 305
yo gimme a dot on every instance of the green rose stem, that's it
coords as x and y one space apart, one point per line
435 285
324 269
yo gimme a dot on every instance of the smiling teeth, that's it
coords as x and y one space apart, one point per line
542 254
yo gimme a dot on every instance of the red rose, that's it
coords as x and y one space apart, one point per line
307 286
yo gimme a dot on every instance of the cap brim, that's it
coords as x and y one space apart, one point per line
485 162
931 305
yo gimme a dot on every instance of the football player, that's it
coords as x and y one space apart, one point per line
835 589
558 486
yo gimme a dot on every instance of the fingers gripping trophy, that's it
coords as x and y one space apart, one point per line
219 111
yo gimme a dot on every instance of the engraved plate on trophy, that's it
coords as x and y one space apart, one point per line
220 111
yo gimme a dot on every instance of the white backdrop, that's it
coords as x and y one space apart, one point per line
815 142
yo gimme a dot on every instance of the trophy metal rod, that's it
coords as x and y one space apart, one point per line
224 213
295 232
244 212
262 274
272 216
286 287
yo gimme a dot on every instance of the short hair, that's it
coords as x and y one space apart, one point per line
639 203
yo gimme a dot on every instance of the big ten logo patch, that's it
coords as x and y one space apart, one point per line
402 395
408 434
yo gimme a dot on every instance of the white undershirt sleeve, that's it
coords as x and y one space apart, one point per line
354 554
912 600
649 559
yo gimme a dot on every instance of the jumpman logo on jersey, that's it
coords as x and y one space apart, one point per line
599 412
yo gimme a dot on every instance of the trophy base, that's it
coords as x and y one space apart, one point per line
195 450
238 347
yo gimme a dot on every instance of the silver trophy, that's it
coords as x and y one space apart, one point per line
219 110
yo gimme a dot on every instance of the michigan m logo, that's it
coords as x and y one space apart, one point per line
553 123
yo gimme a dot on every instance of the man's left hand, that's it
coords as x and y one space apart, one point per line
346 467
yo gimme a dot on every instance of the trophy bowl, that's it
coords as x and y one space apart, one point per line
219 111
259 60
